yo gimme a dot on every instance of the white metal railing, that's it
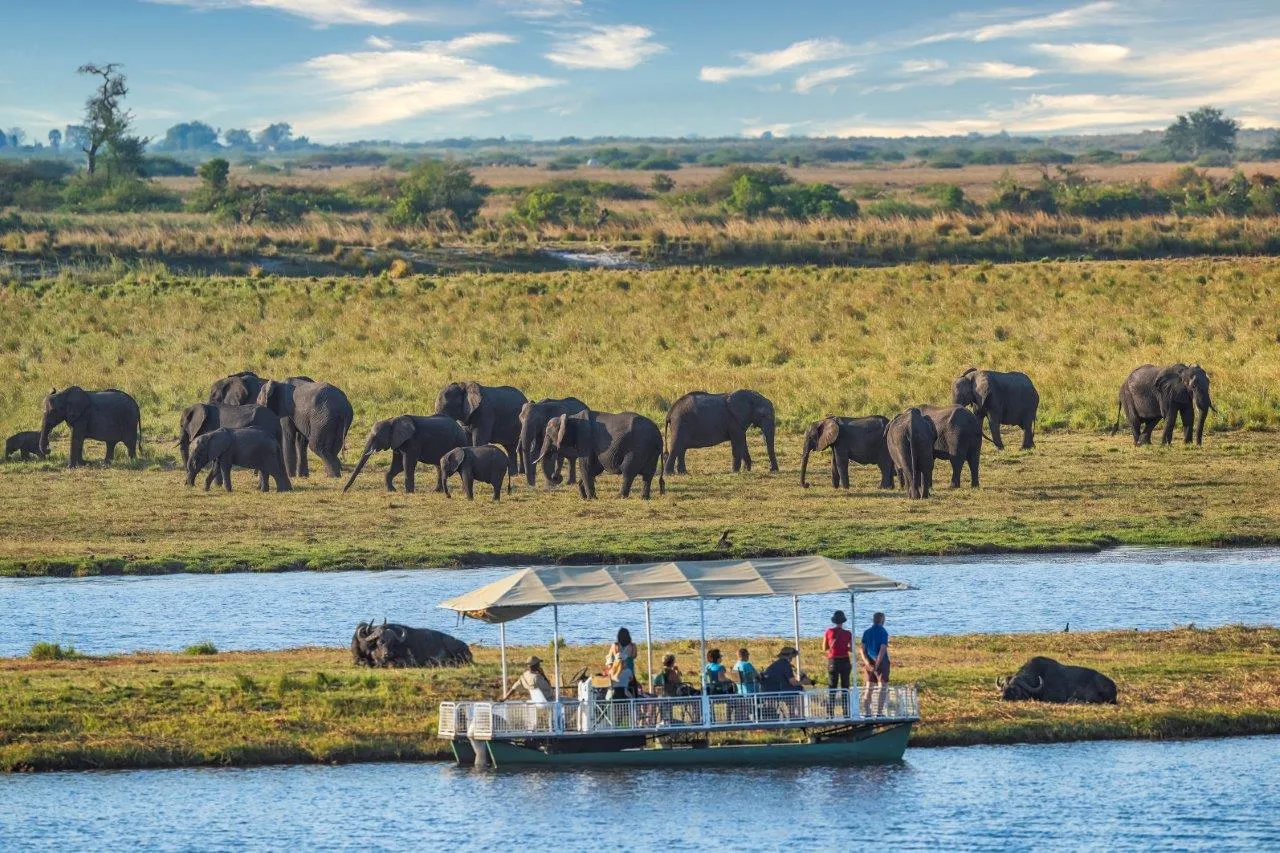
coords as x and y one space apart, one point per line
504 720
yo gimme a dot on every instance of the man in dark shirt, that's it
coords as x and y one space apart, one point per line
779 677
875 663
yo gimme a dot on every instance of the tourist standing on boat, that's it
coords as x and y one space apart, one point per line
533 680
837 645
875 662
620 665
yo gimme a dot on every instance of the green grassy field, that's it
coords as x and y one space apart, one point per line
814 340
312 705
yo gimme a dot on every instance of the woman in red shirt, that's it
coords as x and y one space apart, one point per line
837 643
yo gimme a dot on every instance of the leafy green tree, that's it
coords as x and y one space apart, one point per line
276 136
1201 131
238 138
437 186
55 139
662 183
216 174
17 137
105 118
1271 151
189 136
751 196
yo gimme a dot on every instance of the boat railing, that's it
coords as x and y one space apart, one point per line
485 720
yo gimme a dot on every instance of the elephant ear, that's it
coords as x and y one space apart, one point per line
741 407
472 401
197 415
828 433
402 429
77 403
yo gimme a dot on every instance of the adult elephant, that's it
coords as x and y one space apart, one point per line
701 419
625 443
959 440
238 389
911 438
206 417
110 416
1151 394
414 439
534 418
859 440
316 414
490 413
1008 399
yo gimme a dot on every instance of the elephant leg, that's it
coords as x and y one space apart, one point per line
994 421
111 452
289 442
957 467
1188 418
573 470
1028 435
392 471
131 445
1148 427
886 475
208 481
628 477
975 456
497 488
835 472
646 488
675 458
841 461
468 483
263 485
77 448
741 455
282 481
410 463
302 443
582 489
1170 421
514 466
226 474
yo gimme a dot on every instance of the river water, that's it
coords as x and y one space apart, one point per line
1222 795
1121 588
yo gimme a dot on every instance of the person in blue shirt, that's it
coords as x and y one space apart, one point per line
874 655
748 678
715 677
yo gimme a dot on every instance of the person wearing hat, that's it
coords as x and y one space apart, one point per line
533 680
779 676
837 645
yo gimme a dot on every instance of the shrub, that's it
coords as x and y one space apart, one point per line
201 648
438 187
888 208
104 194
1218 159
52 651
1104 201
1015 197
662 183
161 166
554 207
33 184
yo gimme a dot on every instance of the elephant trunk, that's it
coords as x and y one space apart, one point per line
50 421
364 457
804 463
528 445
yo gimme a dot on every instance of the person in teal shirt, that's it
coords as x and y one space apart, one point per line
748 678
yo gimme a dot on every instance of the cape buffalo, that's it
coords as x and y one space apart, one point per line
400 645
1046 680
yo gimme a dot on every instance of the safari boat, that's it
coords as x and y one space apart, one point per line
584 728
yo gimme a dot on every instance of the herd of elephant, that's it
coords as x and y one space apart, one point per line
491 434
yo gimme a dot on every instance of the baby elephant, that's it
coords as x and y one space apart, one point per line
486 463
25 443
248 447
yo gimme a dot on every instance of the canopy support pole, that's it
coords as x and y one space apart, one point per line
648 642
853 654
555 646
502 643
795 622
702 663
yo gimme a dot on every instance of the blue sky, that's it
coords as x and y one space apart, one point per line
406 69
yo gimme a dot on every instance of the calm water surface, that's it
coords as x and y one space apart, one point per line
1220 795
1122 588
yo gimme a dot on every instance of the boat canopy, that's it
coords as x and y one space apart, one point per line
525 591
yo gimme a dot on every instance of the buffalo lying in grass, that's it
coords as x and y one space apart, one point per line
399 645
1045 680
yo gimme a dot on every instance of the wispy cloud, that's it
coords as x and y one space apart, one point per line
383 86
764 64
814 79
318 11
1088 14
921 66
618 46
538 9
1090 54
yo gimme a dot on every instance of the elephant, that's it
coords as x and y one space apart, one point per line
206 417
27 444
247 447
533 427
959 439
1001 398
399 645
110 416
318 415
1045 680
858 440
491 415
415 439
1152 393
238 389
911 438
701 419
625 443
487 464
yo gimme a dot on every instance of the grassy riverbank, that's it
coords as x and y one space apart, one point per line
311 705
815 341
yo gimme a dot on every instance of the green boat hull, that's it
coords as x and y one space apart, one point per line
886 745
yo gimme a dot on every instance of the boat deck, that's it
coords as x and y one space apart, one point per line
588 716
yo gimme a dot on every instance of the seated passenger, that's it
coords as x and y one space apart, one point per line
533 680
748 678
779 676
715 677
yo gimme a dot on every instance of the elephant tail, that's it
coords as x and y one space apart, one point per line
662 456
987 437
1115 427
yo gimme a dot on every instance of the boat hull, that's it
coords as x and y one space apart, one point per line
882 746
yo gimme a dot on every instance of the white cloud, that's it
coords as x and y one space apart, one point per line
618 46
379 43
379 87
996 71
808 82
477 41
1088 54
921 66
764 64
1090 13
319 11
541 8
781 128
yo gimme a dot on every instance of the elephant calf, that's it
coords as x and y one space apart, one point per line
911 437
488 464
25 443
859 440
244 448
